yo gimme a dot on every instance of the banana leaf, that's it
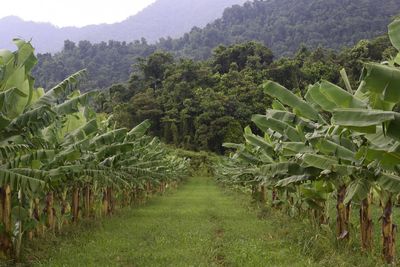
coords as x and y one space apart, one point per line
288 98
394 33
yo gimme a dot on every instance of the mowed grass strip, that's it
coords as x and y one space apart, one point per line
199 225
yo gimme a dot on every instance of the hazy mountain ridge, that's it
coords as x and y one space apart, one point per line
161 19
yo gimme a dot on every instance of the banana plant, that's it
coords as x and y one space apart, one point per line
332 136
379 124
54 148
307 128
16 93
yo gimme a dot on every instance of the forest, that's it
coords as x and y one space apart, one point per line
199 105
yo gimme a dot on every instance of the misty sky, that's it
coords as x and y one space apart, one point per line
73 12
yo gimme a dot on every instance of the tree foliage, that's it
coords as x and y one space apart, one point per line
195 104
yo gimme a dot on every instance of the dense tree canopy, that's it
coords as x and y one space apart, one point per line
202 104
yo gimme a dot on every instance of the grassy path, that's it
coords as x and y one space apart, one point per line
197 226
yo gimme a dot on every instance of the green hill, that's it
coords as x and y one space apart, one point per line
281 25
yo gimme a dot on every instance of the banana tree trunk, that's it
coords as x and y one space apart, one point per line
275 197
366 224
50 223
263 194
165 186
31 216
64 203
86 201
36 215
342 221
105 203
75 204
140 196
133 196
388 233
319 215
126 198
254 192
289 198
65 208
149 189
6 246
19 226
159 189
111 200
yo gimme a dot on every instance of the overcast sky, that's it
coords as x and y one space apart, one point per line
73 12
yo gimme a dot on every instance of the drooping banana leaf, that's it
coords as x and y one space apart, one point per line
328 147
25 54
315 97
319 161
114 149
389 182
340 97
19 181
260 142
281 168
383 80
265 123
295 179
81 133
61 90
72 105
290 118
358 190
389 160
10 151
31 120
361 117
288 98
139 130
26 159
109 138
293 148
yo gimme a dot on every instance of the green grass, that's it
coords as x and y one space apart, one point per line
199 225
204 225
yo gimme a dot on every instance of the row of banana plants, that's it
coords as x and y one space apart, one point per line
332 141
60 161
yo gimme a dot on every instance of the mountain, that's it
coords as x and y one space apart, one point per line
161 19
281 25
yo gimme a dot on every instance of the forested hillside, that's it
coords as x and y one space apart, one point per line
164 18
280 25
284 24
